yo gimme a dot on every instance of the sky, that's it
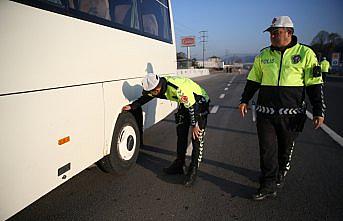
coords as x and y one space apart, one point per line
235 27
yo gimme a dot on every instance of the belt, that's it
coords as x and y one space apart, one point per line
280 111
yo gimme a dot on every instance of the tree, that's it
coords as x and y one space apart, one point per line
194 62
181 56
181 60
321 38
333 41
325 43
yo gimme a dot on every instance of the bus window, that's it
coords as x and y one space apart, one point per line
72 4
166 34
99 8
125 12
155 18
53 2
150 24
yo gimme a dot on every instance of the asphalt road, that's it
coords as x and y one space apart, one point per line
333 91
228 174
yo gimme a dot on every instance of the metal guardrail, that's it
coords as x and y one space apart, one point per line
192 72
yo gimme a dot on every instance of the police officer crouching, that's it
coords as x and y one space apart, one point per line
282 73
193 108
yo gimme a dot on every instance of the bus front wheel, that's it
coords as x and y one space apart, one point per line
125 145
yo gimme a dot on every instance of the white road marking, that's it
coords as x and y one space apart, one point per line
328 130
222 96
214 109
228 85
225 89
233 79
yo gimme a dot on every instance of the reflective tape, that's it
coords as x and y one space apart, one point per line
281 111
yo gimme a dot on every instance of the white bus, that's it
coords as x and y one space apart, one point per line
66 69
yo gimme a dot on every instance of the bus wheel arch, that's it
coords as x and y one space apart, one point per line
126 141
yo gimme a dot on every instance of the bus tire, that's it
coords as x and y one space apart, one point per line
126 141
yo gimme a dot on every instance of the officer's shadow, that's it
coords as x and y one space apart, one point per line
131 93
148 159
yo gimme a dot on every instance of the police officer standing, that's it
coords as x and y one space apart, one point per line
193 108
282 73
325 66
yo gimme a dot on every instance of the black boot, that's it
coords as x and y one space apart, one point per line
191 176
280 181
264 193
177 167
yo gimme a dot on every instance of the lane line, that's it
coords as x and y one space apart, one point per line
233 79
214 109
328 130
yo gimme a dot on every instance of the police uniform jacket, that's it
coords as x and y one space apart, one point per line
282 77
183 90
325 66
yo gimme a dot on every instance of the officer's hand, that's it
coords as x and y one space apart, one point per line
317 121
243 109
196 132
126 108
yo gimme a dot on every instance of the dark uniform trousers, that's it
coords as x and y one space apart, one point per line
182 130
276 140
324 74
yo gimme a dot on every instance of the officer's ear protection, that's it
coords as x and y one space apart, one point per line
316 72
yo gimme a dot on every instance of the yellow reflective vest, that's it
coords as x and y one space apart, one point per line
283 76
294 67
325 66
185 91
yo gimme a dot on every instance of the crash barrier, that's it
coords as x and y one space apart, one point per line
192 72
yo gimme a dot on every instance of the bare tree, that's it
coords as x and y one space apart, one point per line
321 38
324 43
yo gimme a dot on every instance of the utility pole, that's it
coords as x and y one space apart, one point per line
203 40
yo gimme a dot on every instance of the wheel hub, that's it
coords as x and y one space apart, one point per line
127 142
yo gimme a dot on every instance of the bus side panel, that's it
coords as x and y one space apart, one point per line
116 95
32 125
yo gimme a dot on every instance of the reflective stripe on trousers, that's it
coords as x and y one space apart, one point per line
182 130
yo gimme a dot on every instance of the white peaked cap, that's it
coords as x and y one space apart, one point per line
150 81
281 22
